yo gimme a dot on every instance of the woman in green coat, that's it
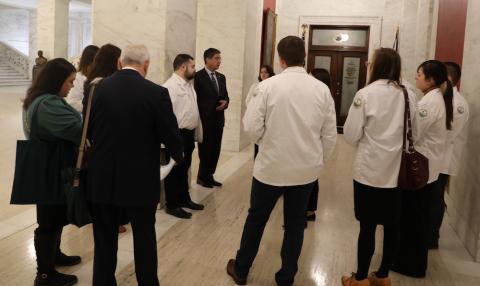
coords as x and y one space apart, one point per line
48 118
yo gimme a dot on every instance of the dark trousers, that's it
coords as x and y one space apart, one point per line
51 219
313 200
209 149
366 248
412 258
262 201
106 219
176 183
437 209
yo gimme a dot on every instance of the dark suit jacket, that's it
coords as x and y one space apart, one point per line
130 118
208 98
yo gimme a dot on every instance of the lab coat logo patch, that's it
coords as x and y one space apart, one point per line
423 113
461 109
357 102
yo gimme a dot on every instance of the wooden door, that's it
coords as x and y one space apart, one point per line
346 65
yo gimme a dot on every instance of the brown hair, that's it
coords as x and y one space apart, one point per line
86 59
292 50
386 64
49 80
269 71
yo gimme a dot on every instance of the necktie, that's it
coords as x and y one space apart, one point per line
214 82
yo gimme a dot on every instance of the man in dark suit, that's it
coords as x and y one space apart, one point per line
212 98
130 118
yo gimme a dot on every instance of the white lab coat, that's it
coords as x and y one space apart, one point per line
457 137
430 134
292 117
75 95
375 125
184 103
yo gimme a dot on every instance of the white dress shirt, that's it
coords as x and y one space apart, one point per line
292 118
457 137
375 125
431 133
75 95
184 102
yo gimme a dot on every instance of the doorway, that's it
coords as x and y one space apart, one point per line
343 51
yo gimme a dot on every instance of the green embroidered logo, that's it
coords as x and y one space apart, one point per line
423 113
357 102
461 109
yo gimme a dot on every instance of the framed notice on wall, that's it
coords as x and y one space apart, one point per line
268 43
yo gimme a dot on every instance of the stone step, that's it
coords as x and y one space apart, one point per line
11 76
15 83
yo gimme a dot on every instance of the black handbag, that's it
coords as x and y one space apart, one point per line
414 171
38 165
78 211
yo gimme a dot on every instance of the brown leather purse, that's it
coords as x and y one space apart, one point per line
414 171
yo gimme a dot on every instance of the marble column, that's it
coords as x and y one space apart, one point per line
133 22
52 28
32 39
464 195
181 28
233 27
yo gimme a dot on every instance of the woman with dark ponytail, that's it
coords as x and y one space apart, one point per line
433 119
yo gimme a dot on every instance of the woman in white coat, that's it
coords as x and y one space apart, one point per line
375 125
266 71
434 118
75 96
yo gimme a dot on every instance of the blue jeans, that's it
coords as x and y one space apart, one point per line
262 201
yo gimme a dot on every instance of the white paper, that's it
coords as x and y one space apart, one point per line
165 169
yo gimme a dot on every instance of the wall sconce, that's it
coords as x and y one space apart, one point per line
304 31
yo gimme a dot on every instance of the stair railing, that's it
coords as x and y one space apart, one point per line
14 58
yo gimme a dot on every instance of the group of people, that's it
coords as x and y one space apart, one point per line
292 121
128 120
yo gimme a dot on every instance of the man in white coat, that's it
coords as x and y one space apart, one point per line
292 118
456 139
184 102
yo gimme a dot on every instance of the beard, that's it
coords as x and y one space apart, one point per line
190 76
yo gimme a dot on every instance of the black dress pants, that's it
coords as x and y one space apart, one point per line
106 219
262 201
176 183
437 209
209 149
412 258
313 200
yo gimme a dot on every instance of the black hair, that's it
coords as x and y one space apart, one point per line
292 50
322 75
181 59
454 71
49 80
437 71
210 53
269 70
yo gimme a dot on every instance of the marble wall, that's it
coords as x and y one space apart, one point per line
14 28
464 193
416 19
52 28
180 30
133 22
233 27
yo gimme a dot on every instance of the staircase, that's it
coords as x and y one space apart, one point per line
11 77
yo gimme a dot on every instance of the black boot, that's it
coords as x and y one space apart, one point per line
61 259
45 247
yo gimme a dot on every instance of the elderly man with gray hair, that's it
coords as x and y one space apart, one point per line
130 118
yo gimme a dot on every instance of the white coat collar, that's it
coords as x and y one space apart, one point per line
294 70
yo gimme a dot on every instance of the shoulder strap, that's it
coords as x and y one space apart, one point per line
407 125
81 147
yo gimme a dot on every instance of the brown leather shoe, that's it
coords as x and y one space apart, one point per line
375 281
351 281
233 274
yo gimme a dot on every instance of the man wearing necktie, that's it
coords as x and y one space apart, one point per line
212 99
